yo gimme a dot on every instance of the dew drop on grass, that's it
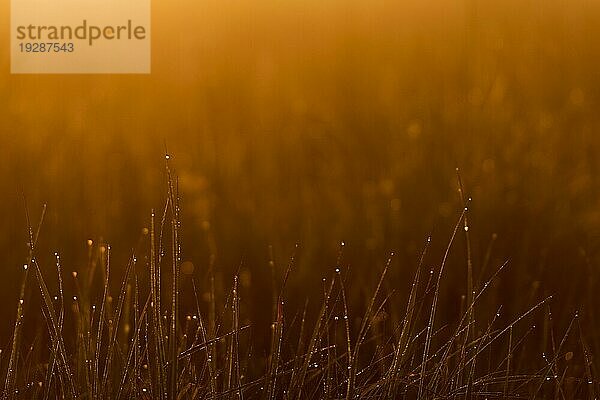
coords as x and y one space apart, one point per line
25 266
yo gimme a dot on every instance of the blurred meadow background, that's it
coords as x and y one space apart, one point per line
316 122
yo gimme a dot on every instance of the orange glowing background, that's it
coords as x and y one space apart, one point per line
321 121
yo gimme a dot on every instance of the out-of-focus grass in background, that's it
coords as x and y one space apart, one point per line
321 121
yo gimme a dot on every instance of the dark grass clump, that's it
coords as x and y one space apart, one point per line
141 342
